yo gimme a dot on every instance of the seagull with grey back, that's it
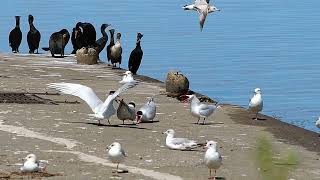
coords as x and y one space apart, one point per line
31 164
101 110
116 154
212 158
203 8
127 78
256 102
198 109
179 143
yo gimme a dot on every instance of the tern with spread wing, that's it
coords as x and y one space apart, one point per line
101 110
203 8
179 143
198 109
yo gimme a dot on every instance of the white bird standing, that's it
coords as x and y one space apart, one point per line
256 102
116 154
318 123
127 78
198 109
126 111
31 164
101 110
212 158
203 8
179 143
147 112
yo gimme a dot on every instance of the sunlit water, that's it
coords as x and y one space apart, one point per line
274 45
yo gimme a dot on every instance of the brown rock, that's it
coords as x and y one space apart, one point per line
176 84
87 56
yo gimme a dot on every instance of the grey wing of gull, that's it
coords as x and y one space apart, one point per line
123 153
206 110
81 91
181 141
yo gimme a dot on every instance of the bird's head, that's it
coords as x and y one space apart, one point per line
118 35
114 145
31 157
111 31
139 35
211 144
30 19
212 9
257 91
132 104
169 131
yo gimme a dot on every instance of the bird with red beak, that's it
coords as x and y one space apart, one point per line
147 112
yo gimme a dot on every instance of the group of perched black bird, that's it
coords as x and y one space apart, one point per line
83 35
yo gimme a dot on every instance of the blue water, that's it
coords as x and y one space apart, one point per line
274 45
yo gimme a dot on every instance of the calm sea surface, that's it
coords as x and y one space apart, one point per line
274 45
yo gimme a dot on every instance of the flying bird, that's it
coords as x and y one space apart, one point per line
101 110
203 8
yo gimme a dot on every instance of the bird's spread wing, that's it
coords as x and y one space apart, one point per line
122 89
81 91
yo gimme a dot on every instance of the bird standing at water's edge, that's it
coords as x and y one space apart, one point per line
256 102
110 45
136 56
116 52
198 109
15 36
101 42
33 36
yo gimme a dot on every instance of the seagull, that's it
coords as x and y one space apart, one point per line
101 110
256 103
318 123
31 164
127 77
198 109
147 112
203 8
212 158
116 154
179 143
126 111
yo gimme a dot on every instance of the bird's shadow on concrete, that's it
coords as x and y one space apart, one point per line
207 123
146 122
133 126
259 119
221 178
